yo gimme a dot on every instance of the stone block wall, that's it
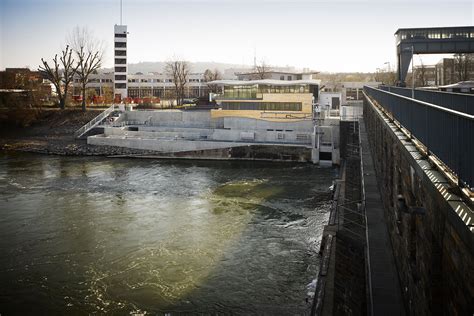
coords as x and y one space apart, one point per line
434 248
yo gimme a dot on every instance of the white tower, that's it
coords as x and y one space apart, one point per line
120 61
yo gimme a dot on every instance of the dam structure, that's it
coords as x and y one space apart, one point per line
252 119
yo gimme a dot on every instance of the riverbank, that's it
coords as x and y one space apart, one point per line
53 133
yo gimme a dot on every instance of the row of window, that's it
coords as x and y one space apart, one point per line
165 93
120 44
435 34
94 80
262 106
250 92
120 35
120 53
120 61
159 80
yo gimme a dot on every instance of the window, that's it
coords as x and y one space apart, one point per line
120 77
120 44
120 86
121 35
120 61
282 77
290 78
133 92
262 106
120 69
120 53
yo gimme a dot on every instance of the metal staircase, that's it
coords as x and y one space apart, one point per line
109 112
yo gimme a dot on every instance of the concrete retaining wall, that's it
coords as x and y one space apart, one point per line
171 118
160 145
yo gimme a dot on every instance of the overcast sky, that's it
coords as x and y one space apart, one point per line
322 35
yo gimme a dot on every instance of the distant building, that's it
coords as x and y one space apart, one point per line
445 72
425 75
24 83
140 86
19 78
267 99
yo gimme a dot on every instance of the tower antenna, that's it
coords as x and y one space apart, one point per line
255 56
120 12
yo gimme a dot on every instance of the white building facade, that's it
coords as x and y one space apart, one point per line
120 62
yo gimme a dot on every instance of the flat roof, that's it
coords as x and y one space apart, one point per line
281 72
270 82
435 28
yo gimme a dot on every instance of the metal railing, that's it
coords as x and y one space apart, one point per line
286 115
446 133
455 101
95 121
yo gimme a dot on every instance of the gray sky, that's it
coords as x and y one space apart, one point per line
321 35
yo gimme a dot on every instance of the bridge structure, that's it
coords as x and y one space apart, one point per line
423 154
439 40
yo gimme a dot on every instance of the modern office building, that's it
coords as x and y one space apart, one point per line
120 62
267 99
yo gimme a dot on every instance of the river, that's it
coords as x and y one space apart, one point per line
82 235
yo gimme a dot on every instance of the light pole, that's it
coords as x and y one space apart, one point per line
412 75
412 72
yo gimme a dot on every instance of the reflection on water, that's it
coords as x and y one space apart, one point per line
82 235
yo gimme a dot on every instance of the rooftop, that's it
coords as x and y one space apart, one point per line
270 82
448 28
282 72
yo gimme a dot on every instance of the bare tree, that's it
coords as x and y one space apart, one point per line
89 52
421 74
179 71
60 78
463 64
210 76
262 70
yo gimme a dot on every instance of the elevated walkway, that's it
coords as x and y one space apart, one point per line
386 292
439 40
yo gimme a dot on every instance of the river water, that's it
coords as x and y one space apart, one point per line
95 235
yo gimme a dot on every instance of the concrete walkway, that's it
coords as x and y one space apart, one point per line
386 291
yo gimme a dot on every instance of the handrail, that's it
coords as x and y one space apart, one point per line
444 133
95 121
431 105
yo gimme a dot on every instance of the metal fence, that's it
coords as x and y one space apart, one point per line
446 133
454 101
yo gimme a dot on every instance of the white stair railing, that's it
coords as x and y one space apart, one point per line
95 121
